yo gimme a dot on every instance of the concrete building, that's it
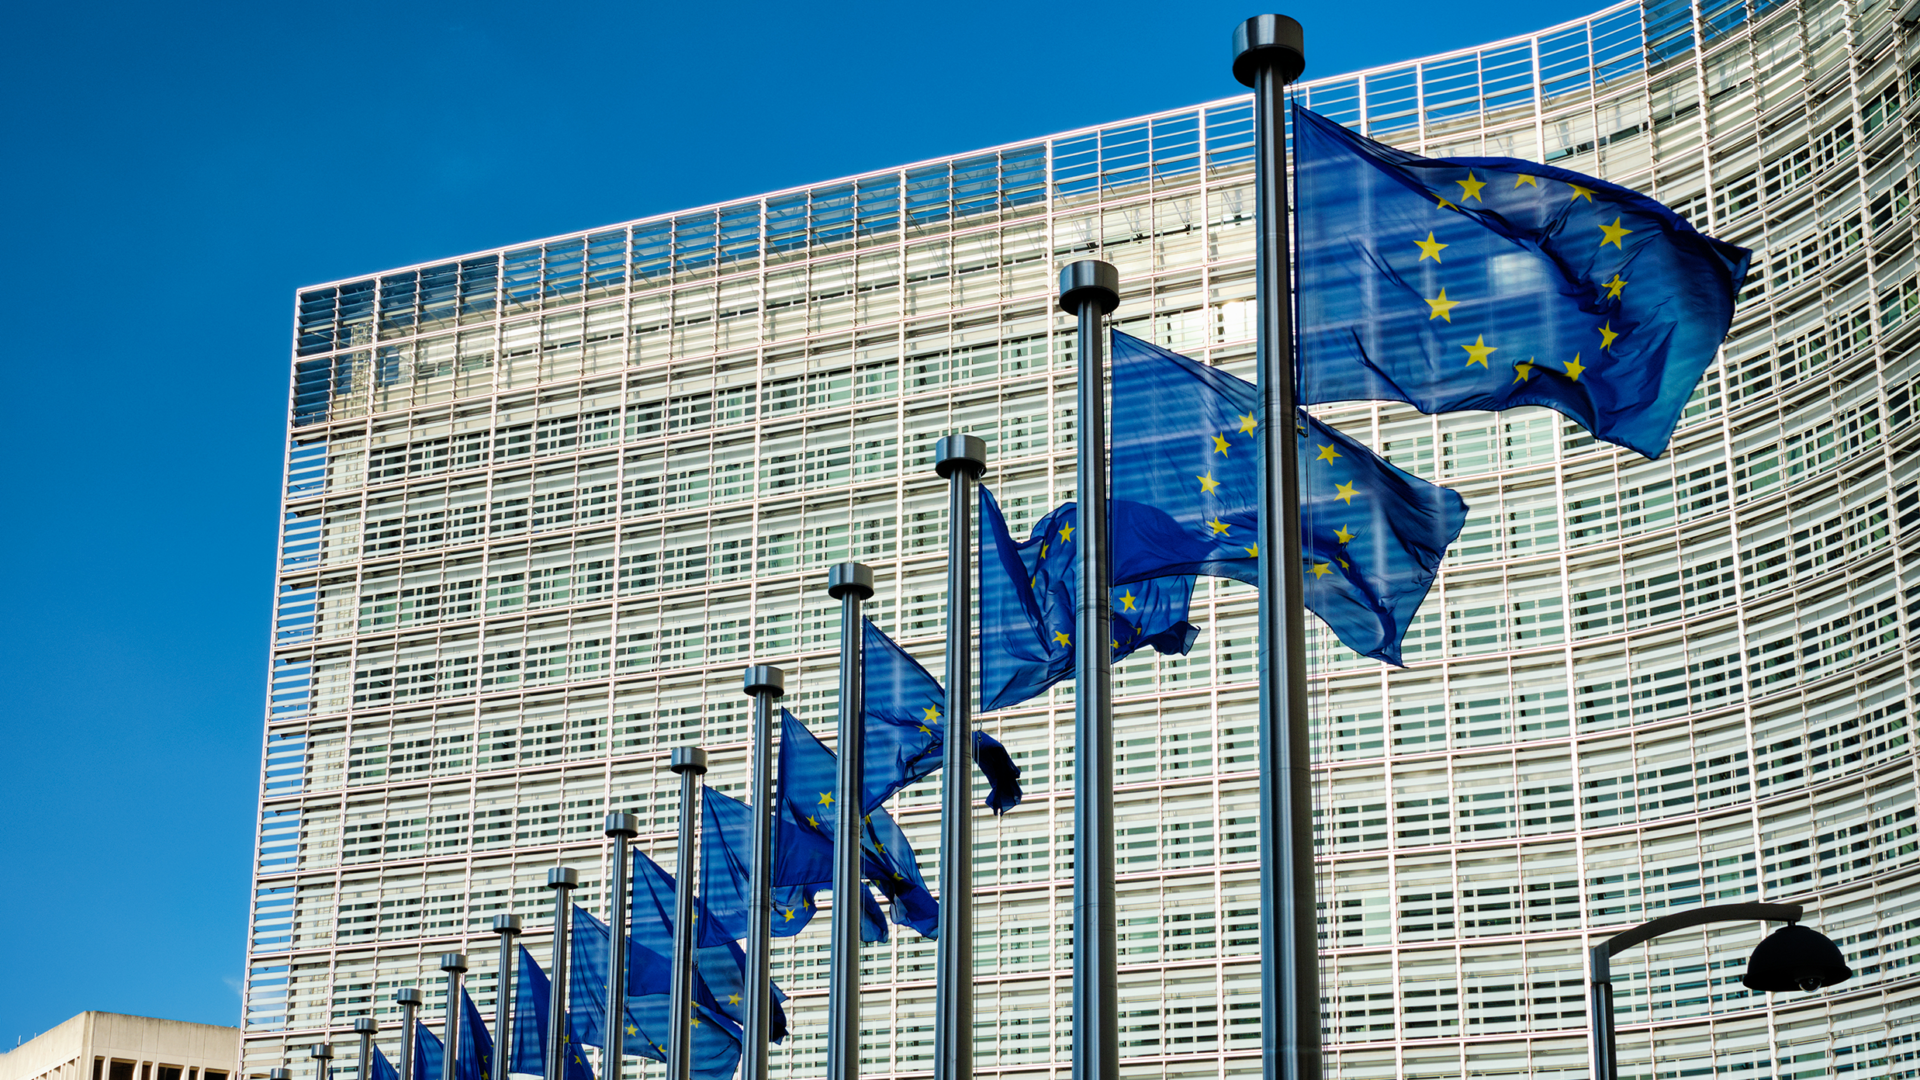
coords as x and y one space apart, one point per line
543 503
109 1046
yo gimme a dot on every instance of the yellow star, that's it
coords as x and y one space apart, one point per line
788 912
1522 372
826 798
1430 248
1527 178
1246 423
1613 233
1043 551
1470 188
733 999
631 1030
1441 199
930 714
1207 483
696 1021
1066 534
1607 334
1253 551
1343 535
1477 352
925 730
1327 453
1217 526
813 821
1575 367
1442 308
1061 638
1321 570
1113 643
1346 492
1127 600
1581 193
1614 287
1219 444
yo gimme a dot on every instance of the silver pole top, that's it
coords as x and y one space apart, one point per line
563 877
850 578
508 925
689 759
320 1051
453 961
1088 280
366 1025
765 679
619 823
279 1074
1269 39
960 451
408 995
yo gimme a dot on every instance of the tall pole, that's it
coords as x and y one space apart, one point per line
562 880
455 965
622 828
1090 289
365 1027
322 1055
961 459
280 1074
690 762
508 927
763 684
849 583
1269 53
409 999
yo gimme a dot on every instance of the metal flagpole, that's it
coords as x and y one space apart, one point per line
322 1055
623 828
280 1074
1269 53
961 459
1090 289
849 583
455 965
365 1027
409 999
690 762
562 880
763 683
508 927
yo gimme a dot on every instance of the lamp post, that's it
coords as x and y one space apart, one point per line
1793 957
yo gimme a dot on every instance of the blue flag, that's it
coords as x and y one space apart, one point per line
1485 283
475 1060
906 726
719 964
1027 596
382 1068
532 994
803 845
716 1041
428 1052
1186 439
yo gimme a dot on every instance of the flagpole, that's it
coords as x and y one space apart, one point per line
322 1055
365 1027
1268 53
1090 289
562 880
455 965
409 999
960 459
508 927
849 583
623 828
690 763
763 683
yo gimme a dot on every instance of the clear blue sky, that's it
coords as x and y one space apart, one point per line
172 172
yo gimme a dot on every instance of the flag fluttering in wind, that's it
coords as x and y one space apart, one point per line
905 710
532 996
716 1041
1371 535
382 1068
1027 597
1485 283
428 1052
475 1061
720 965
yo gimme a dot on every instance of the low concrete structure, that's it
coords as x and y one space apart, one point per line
109 1046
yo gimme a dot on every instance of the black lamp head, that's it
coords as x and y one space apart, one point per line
1795 957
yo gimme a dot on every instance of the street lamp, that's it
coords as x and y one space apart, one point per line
1793 957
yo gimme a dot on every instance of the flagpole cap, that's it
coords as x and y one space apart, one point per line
279 1074
408 995
620 823
764 679
320 1051
1269 39
960 452
1088 280
850 579
366 1025
688 759
454 962
563 877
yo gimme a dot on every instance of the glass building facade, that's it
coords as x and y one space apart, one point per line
543 503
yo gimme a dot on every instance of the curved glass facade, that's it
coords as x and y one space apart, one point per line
543 503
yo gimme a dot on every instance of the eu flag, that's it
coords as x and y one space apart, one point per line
1185 440
720 965
716 1042
1485 283
475 1061
428 1052
906 726
532 992
382 1068
1028 592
